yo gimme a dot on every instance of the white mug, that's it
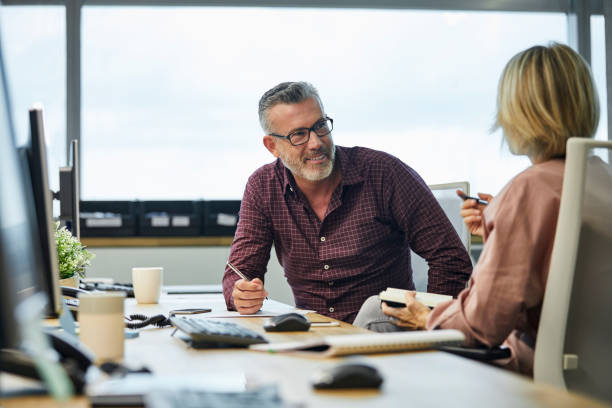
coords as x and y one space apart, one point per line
147 283
101 324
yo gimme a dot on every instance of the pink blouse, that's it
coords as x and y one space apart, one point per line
503 301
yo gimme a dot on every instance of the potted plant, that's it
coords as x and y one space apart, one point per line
72 256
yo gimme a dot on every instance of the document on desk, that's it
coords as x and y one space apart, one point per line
270 308
330 346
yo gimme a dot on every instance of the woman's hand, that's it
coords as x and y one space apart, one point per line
471 212
413 316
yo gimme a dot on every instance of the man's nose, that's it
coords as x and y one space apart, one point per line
314 142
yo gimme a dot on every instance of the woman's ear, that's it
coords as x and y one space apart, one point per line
270 144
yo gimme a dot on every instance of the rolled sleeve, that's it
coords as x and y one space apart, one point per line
250 251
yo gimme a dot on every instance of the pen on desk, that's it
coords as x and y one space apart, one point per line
467 197
242 275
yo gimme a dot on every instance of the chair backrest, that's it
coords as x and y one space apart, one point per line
574 343
451 204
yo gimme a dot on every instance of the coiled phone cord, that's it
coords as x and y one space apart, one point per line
157 320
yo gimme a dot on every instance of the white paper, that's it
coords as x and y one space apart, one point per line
264 312
270 308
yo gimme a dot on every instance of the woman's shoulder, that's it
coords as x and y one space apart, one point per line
540 179
535 190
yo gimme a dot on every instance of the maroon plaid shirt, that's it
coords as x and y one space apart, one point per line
379 211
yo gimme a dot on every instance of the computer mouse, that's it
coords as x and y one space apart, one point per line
355 375
287 322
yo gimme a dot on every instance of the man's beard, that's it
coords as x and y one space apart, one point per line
301 169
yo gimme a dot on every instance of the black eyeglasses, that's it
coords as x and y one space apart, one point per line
297 137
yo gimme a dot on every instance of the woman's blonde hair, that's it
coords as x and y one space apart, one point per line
546 95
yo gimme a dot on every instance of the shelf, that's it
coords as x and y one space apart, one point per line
156 241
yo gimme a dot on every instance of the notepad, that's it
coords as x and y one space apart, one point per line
397 297
329 346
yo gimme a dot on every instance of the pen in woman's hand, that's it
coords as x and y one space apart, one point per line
464 197
242 275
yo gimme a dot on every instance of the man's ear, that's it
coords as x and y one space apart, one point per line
270 144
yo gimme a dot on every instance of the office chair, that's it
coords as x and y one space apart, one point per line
451 204
574 344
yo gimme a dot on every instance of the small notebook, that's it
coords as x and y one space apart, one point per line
397 297
367 343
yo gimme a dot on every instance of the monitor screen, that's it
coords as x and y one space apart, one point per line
69 192
21 261
34 158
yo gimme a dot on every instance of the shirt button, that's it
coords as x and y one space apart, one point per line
291 189
326 267
322 239
331 310
331 283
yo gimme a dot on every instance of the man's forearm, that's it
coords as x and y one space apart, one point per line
229 280
449 281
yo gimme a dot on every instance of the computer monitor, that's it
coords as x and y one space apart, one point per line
21 258
68 194
34 158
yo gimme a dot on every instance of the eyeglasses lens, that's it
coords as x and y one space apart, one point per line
301 136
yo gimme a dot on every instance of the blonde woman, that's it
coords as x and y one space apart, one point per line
546 95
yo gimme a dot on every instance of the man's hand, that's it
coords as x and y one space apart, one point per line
248 295
413 316
471 212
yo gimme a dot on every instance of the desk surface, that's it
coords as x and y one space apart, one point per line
414 379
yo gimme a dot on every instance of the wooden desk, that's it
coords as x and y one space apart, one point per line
414 379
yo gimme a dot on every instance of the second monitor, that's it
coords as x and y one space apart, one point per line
34 159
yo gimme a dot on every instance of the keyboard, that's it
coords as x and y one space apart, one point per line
219 333
264 397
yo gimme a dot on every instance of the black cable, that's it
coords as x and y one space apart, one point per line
157 320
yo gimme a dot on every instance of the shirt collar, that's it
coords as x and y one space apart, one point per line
349 168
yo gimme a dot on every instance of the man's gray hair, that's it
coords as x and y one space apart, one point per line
286 93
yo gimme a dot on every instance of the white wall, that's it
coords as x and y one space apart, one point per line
190 265
182 266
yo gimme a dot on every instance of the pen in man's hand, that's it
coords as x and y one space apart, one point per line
242 275
233 268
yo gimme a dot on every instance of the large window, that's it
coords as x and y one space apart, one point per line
34 39
170 94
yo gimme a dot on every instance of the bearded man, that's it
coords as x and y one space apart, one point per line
342 220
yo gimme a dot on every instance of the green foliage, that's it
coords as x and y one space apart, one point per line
72 256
